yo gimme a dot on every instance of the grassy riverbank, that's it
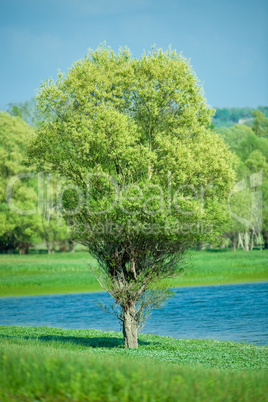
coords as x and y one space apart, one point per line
49 364
69 272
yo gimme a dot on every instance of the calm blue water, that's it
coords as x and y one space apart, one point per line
226 312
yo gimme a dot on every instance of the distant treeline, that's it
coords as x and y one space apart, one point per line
245 131
227 117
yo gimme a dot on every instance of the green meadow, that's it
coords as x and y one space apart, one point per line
49 364
52 364
36 274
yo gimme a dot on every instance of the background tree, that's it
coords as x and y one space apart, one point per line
251 148
257 164
53 228
147 178
228 117
260 124
16 229
28 111
20 223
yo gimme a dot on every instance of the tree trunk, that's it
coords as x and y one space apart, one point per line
62 246
130 330
24 248
252 235
233 240
53 246
71 245
240 242
48 247
246 236
265 239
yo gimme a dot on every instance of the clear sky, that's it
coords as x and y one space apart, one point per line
227 41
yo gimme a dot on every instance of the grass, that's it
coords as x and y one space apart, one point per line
46 274
69 272
49 364
215 267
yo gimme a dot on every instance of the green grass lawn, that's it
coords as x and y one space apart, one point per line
213 267
70 272
49 364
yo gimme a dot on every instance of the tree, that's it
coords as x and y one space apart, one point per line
28 111
147 178
265 213
252 171
227 117
242 140
17 229
260 124
20 223
257 164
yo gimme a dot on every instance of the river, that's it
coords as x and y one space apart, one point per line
224 312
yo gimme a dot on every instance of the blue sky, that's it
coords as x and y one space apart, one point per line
227 41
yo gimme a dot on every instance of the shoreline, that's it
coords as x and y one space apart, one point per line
83 291
34 275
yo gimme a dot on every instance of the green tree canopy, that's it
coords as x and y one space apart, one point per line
16 228
260 124
147 178
28 111
251 147
20 223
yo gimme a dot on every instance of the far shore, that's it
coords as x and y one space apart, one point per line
65 273
62 292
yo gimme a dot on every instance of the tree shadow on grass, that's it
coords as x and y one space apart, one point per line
95 342
92 342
